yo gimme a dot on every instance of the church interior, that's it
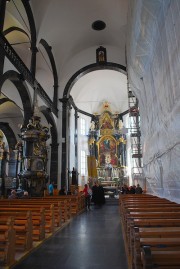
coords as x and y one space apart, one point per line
89 95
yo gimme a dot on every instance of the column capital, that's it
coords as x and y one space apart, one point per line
64 100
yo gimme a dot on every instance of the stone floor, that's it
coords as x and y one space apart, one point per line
92 240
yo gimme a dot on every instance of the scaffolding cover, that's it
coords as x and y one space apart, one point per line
153 64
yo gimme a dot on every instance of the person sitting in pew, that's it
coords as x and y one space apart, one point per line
13 195
138 189
62 191
25 195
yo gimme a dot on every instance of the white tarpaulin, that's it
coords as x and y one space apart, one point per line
153 60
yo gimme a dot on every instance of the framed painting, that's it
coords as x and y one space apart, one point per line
107 152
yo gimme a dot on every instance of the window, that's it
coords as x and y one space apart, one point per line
83 163
83 126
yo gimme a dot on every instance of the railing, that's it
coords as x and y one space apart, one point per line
11 54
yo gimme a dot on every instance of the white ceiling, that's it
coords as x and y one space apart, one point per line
95 88
66 26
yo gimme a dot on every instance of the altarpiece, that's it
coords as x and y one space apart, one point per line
108 144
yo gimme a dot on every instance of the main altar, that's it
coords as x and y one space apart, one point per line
107 144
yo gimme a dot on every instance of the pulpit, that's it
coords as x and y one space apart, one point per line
33 174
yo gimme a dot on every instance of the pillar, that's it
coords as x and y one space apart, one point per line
2 16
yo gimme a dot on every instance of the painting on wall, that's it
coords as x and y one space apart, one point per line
106 124
108 152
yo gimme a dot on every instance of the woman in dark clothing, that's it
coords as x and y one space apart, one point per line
95 193
62 191
101 195
98 194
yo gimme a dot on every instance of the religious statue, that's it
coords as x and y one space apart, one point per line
92 127
30 124
120 124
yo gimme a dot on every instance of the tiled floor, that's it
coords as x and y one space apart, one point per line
92 240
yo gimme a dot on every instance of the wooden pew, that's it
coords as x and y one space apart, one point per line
138 198
156 213
38 218
161 238
150 211
77 202
40 203
58 212
50 209
161 259
48 212
22 225
150 224
62 210
145 204
7 241
128 219
133 243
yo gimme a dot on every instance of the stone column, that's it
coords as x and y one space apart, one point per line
65 135
2 16
2 169
54 162
34 50
76 143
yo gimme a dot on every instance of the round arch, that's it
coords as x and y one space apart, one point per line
53 65
90 68
21 87
9 134
65 104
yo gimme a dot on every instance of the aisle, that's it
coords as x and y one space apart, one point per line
92 240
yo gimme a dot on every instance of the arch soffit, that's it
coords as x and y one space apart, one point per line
48 50
14 28
90 68
51 58
4 100
21 87
28 11
9 134
31 21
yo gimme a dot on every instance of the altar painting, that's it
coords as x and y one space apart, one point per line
108 152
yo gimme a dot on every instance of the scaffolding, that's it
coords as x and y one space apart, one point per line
135 137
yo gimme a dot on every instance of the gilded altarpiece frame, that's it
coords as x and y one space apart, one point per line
107 152
107 144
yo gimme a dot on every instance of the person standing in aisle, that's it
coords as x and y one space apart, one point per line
87 192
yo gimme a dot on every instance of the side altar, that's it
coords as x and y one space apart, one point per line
108 145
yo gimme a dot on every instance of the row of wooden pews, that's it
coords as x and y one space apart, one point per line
151 231
26 222
76 202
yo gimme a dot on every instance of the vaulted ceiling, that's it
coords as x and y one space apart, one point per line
67 28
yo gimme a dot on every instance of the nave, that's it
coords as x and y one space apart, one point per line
92 240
